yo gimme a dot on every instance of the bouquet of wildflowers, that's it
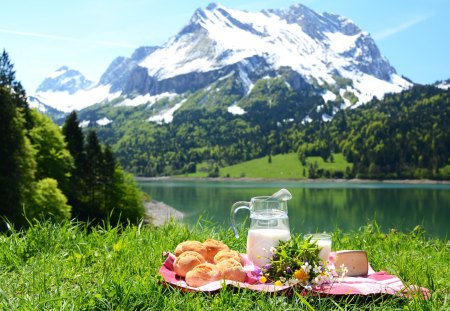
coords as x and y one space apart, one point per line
295 261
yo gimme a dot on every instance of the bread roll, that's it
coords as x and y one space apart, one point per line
228 254
212 248
195 246
203 274
356 262
186 262
232 270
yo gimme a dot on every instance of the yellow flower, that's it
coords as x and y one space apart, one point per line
262 279
301 275
278 283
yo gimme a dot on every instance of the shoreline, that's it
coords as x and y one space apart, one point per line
331 180
159 213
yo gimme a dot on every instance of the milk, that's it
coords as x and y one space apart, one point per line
261 240
325 249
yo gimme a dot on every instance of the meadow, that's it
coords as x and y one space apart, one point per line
281 166
69 266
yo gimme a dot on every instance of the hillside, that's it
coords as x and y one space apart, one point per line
234 86
281 166
321 53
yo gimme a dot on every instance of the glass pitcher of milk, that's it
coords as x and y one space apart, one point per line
269 224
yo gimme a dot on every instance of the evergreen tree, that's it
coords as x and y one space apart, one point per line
93 175
17 164
8 80
74 137
108 177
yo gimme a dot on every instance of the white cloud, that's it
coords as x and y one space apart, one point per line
399 28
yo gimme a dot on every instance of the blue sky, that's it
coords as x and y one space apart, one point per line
41 36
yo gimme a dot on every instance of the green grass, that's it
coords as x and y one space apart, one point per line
283 166
68 267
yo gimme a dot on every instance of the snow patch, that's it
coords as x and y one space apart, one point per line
443 86
166 116
326 117
104 121
329 96
369 86
236 110
340 42
84 123
307 119
66 102
147 99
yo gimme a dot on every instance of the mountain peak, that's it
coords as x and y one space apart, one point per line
212 6
324 51
65 79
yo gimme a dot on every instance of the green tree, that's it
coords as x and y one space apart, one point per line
52 157
48 202
126 203
74 137
8 80
17 163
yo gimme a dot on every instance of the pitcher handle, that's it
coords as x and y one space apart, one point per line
236 207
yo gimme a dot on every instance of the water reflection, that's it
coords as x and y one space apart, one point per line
316 206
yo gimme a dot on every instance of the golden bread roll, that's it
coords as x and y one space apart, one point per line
186 262
203 274
228 254
195 246
212 248
232 270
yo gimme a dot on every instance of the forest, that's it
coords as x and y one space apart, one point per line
70 172
51 173
403 135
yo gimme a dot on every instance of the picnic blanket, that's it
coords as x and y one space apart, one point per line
373 283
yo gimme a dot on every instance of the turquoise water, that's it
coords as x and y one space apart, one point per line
316 206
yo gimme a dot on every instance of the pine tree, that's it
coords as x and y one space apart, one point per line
8 80
93 177
17 164
108 169
76 194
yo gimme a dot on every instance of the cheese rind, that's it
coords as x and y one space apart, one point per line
355 261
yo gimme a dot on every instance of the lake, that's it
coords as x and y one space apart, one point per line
315 206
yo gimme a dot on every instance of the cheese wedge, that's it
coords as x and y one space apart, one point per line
354 260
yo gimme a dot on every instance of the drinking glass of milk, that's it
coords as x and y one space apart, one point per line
323 241
269 224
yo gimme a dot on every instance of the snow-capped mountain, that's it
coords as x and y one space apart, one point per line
324 51
444 85
68 89
65 79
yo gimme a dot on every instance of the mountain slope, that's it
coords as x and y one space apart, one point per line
319 47
325 52
67 89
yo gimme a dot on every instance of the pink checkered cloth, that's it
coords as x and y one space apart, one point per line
371 284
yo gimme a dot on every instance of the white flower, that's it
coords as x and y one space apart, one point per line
306 267
317 269
344 270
